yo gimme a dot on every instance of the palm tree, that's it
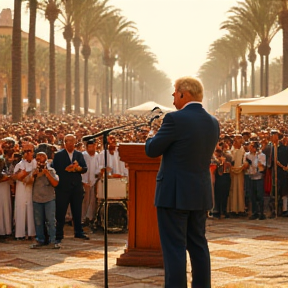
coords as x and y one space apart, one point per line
16 64
41 72
95 16
213 74
226 48
143 66
262 15
238 26
79 10
129 47
67 21
108 36
51 13
5 69
283 18
31 59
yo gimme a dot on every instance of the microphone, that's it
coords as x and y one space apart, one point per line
106 132
155 108
153 118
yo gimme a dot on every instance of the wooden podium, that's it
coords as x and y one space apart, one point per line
144 247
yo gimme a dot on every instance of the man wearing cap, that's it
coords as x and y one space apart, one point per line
186 140
44 180
89 181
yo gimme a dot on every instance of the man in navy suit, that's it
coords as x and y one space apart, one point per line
186 140
69 165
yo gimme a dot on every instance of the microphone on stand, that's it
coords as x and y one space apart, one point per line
152 119
155 108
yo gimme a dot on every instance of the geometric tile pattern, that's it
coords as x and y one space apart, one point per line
243 254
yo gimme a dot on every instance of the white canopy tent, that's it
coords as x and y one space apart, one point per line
271 105
147 107
226 107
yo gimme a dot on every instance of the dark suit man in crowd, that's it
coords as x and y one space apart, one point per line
186 140
69 165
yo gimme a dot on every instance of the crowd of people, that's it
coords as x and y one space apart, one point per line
242 169
50 176
248 165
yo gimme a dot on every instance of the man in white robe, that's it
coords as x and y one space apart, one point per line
23 213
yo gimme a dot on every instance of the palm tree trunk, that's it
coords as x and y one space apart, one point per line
68 35
123 87
86 96
284 25
106 99
77 42
253 79
241 85
245 84
261 75
16 64
51 14
111 88
128 104
52 72
267 76
130 88
252 58
31 59
236 87
86 52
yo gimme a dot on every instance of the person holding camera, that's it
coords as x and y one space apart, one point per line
43 195
255 162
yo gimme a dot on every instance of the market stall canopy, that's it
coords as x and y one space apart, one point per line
226 107
275 104
147 107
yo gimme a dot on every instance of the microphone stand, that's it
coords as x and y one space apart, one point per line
105 146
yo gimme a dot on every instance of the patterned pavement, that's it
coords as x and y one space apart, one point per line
243 254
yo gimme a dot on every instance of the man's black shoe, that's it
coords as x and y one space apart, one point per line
262 217
253 217
82 236
226 215
285 213
216 215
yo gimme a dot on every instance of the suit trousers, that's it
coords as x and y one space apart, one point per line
182 230
63 198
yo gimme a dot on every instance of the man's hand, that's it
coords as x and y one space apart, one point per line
74 167
151 134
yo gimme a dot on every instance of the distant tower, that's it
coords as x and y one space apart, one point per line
6 18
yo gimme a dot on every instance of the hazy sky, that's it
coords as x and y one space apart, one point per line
179 32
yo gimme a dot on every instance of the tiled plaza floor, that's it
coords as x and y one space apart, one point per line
243 254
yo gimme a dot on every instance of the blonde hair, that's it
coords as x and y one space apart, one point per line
192 85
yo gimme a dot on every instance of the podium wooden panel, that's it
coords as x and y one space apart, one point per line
144 247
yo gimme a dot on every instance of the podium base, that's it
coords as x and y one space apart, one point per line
141 258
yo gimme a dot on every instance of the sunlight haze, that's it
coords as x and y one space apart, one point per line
178 32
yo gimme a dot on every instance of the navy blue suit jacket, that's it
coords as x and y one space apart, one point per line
186 141
68 180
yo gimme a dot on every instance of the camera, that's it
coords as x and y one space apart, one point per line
41 166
